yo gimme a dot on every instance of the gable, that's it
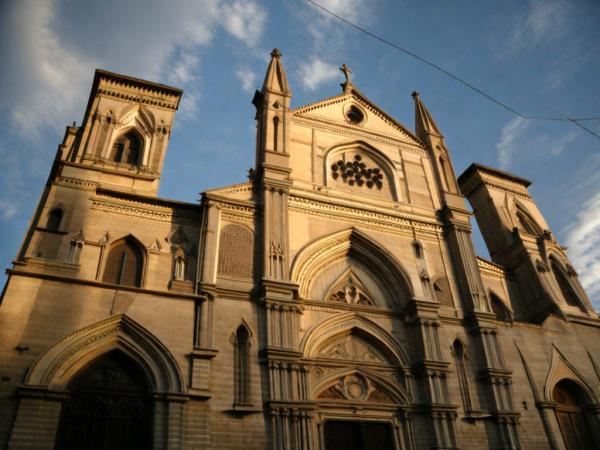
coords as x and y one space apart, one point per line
356 111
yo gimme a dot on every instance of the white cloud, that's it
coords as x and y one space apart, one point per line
557 146
348 9
545 21
509 137
316 72
583 240
248 78
7 209
184 69
244 20
51 49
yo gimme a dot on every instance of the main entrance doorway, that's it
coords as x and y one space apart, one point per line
355 435
108 408
570 413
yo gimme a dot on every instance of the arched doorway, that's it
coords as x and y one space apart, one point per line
108 407
571 401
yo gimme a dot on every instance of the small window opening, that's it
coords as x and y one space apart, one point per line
54 219
355 115
127 149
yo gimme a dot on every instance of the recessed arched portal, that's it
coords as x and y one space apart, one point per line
108 406
571 401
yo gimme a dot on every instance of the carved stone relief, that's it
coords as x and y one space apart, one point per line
355 387
351 347
350 291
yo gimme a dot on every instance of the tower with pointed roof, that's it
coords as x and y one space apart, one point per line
333 301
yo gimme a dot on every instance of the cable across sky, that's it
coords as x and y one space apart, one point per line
563 118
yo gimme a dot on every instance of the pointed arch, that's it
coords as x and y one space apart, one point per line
561 369
461 355
127 148
314 257
525 220
125 262
499 308
381 159
344 323
565 285
241 364
54 368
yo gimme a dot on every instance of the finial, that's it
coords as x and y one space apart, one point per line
415 94
276 53
346 70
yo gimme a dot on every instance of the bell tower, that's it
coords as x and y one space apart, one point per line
519 239
125 133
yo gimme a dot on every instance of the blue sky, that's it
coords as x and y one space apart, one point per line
540 57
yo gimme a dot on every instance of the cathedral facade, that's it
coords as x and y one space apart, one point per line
333 301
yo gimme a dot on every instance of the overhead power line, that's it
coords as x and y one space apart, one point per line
563 118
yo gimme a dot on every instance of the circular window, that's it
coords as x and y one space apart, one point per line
354 114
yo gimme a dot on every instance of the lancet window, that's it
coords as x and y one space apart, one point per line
124 264
460 357
242 366
54 219
565 286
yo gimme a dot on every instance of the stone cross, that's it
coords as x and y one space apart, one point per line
346 70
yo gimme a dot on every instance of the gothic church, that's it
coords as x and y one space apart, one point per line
332 302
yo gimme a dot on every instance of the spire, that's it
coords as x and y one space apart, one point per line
276 79
424 123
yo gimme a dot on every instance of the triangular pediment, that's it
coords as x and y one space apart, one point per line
335 110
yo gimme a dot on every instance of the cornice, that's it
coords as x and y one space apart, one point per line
143 209
102 285
492 270
374 218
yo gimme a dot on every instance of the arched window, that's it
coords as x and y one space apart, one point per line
463 380
275 133
570 412
54 219
127 149
242 366
565 286
179 266
499 308
124 264
108 406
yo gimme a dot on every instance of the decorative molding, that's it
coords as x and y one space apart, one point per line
490 269
55 367
76 183
147 211
368 218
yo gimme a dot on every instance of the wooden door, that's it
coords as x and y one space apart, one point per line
108 408
355 435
